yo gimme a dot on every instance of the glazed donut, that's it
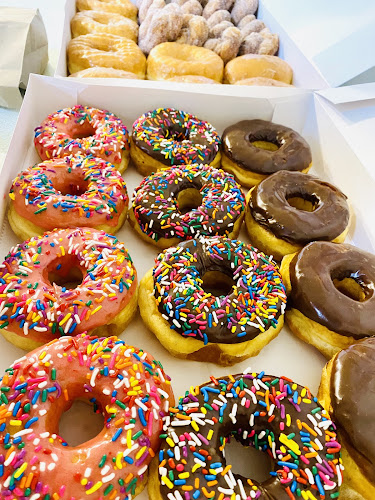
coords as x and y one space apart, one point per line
124 7
180 203
171 59
83 130
347 390
272 414
287 210
99 72
73 191
165 137
261 81
332 300
91 21
105 50
213 299
127 385
191 79
36 305
256 65
255 149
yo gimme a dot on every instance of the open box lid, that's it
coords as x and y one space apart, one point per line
352 109
337 38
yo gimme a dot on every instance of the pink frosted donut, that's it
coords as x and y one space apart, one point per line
74 191
84 130
129 388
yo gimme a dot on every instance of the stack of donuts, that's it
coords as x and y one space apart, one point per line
70 288
195 41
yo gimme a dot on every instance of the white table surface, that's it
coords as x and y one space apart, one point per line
52 12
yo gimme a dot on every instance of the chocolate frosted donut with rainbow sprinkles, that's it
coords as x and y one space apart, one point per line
180 203
73 191
166 136
83 130
272 414
125 384
66 282
213 299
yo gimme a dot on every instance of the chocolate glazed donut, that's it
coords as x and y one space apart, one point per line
269 207
274 415
312 274
292 151
353 401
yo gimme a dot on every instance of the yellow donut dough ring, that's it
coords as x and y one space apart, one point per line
171 59
110 51
254 65
124 7
90 22
99 72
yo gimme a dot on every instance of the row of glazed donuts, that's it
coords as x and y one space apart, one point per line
211 251
104 43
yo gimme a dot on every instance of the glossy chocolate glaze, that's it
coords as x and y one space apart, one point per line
312 272
222 410
293 154
353 401
269 207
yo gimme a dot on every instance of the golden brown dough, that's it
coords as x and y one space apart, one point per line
99 72
160 25
254 65
194 30
124 7
91 21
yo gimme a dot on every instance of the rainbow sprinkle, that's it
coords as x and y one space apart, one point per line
103 199
256 301
156 209
31 305
272 414
124 383
174 137
104 134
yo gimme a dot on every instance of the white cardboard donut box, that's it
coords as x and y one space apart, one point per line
333 160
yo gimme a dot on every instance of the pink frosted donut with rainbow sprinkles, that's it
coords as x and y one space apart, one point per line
83 130
66 282
127 385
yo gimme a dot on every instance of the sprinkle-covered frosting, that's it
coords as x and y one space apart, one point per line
254 304
83 130
156 207
174 137
123 383
31 306
74 191
274 415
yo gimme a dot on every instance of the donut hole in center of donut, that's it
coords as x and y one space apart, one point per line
247 461
83 131
305 202
73 188
267 145
353 287
188 199
217 283
65 272
81 422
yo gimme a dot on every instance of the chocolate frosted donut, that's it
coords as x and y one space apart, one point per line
312 275
331 295
353 401
274 415
287 210
184 304
166 136
253 149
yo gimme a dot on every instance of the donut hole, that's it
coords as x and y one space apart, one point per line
65 272
83 130
81 422
74 188
267 145
188 199
247 461
175 133
217 283
305 202
353 287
